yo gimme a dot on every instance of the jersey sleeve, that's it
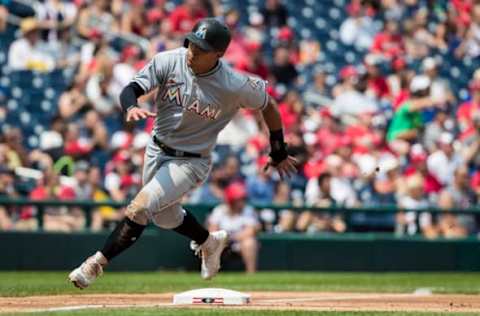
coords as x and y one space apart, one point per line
153 73
253 94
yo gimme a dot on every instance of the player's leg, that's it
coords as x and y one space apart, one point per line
210 245
127 232
177 178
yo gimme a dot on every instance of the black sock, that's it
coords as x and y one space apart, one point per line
192 229
124 235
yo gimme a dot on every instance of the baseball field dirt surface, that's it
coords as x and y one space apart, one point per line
280 293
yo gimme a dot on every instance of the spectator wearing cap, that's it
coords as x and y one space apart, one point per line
440 88
418 164
275 14
445 160
387 182
26 53
407 120
349 102
240 221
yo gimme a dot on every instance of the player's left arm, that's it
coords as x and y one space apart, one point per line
279 157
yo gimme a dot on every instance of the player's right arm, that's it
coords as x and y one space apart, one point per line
147 79
129 103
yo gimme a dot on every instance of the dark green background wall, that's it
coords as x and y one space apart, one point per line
167 250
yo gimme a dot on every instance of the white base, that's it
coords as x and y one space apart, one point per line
211 296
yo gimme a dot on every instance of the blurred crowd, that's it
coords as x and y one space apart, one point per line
389 128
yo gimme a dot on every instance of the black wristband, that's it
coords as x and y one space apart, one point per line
278 151
129 96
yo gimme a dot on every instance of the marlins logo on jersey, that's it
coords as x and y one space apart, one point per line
174 94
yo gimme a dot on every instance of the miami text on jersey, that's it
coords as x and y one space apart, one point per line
173 94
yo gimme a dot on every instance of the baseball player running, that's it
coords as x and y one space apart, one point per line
198 94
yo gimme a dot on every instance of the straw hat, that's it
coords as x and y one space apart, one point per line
29 24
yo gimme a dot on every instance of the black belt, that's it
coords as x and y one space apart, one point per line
173 152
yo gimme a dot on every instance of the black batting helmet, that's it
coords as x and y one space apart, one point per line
209 34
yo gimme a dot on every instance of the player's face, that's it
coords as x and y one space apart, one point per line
198 58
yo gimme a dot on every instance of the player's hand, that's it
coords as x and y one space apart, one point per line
137 114
285 168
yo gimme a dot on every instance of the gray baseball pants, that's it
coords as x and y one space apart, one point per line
166 180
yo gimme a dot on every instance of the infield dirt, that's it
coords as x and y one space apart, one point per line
313 301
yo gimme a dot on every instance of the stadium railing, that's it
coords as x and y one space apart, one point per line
201 210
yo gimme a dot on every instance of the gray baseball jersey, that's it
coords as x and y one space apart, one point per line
193 109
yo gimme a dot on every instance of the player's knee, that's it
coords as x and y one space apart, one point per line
138 208
168 220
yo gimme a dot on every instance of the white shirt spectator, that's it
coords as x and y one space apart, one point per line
340 190
353 103
22 55
238 131
358 31
443 167
233 223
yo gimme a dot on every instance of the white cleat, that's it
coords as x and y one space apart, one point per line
211 251
88 271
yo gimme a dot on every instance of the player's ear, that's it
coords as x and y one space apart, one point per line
220 54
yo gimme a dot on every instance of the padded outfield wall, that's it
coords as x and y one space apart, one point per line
158 250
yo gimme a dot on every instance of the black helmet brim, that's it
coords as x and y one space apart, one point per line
191 37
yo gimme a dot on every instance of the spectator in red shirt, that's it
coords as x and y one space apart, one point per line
418 164
254 62
184 17
376 84
468 109
290 110
389 42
